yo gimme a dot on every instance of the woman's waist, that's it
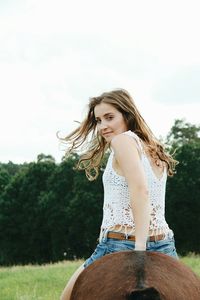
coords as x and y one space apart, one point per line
130 230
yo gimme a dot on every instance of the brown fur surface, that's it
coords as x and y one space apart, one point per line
137 275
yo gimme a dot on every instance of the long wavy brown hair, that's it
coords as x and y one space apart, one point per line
92 146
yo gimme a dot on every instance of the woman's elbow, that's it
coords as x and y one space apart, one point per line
141 191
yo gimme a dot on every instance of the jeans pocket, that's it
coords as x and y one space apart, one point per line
117 246
166 247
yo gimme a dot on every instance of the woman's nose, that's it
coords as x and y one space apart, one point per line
102 126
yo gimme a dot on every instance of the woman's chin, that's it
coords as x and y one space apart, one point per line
108 139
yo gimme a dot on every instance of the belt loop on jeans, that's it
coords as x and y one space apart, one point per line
105 235
156 238
126 236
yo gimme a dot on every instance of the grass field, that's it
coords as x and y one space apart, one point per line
47 281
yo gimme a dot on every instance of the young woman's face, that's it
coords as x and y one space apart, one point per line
110 121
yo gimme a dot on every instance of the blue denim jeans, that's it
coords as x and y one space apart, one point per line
108 245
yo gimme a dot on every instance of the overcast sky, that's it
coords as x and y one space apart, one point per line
54 55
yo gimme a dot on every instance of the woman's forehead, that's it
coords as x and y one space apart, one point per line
103 109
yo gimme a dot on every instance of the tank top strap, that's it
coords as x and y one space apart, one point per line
136 138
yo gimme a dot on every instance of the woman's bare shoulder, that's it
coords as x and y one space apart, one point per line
125 143
121 140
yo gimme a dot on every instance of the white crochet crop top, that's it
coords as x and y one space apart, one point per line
117 208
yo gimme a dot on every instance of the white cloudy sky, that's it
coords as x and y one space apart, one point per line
55 54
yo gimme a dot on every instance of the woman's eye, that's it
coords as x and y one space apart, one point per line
109 118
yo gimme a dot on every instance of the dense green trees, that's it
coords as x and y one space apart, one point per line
183 190
50 211
22 228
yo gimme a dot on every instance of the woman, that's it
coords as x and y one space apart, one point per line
134 179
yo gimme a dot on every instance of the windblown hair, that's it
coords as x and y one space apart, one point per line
87 139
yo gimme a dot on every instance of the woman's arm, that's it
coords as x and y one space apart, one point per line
128 160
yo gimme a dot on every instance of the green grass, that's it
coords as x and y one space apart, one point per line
193 261
46 282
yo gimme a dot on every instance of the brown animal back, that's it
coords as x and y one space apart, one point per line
120 275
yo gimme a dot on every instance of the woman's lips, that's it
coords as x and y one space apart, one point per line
106 133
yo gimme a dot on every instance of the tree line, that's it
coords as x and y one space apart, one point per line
50 212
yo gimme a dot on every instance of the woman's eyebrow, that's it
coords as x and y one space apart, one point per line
105 115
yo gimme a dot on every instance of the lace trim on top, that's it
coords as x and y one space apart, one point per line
117 208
